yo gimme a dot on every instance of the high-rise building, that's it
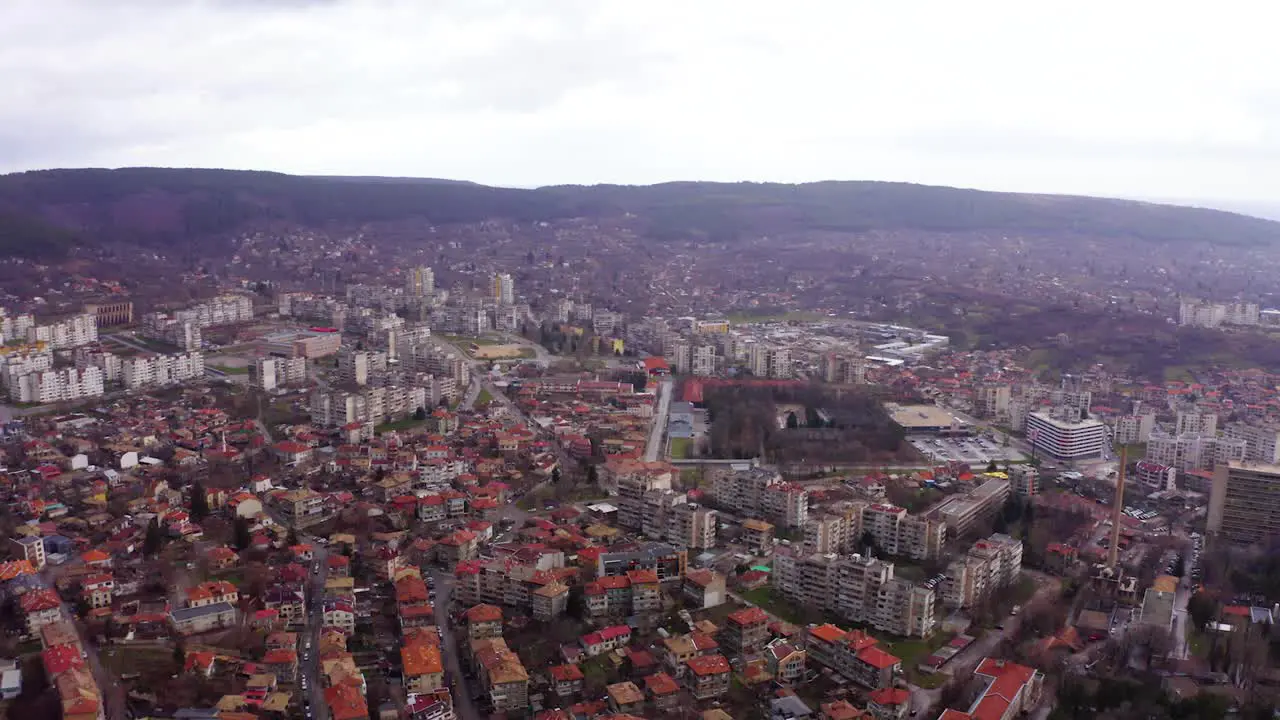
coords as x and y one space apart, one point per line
992 399
1193 451
1244 502
703 360
858 589
1131 429
72 332
270 373
1196 422
420 282
504 289
1262 444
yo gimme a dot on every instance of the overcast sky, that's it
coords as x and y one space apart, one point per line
1135 99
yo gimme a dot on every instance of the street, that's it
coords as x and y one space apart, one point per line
659 428
310 651
463 704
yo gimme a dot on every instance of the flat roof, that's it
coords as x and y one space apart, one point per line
922 416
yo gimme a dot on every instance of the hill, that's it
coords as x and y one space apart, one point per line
43 213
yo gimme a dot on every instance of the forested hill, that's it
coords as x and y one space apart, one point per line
43 213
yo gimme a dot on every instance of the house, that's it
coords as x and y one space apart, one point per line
625 697
746 631
283 663
484 621
664 692
853 654
222 558
786 662
289 601
704 588
97 590
566 680
423 667
340 613
346 702
1006 690
549 601
889 703
212 592
788 706
708 676
40 607
842 710
203 618
646 592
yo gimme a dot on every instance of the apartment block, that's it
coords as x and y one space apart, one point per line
992 399
71 332
987 567
760 492
900 534
1132 429
746 631
159 370
692 527
1194 451
108 362
1196 422
270 373
57 385
1262 444
857 588
853 654
633 486
1244 502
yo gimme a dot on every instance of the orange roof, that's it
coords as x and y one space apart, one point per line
877 658
94 556
642 577
828 632
421 659
566 673
346 702
749 616
708 665
484 613
661 684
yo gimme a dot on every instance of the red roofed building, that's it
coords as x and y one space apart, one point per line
1008 690
567 680
346 702
853 654
708 676
889 703
746 631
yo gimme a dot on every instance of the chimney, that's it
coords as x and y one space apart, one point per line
1117 512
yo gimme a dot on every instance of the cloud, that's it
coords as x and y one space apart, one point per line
1138 98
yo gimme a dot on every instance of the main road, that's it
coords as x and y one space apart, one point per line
463 703
659 429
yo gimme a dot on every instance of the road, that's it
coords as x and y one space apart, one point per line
659 428
108 685
463 704
309 667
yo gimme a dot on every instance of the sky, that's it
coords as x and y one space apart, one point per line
1130 99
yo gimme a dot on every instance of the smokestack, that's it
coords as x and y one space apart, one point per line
1117 512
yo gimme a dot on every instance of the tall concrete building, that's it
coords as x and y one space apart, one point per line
1131 429
1196 422
1244 502
858 589
1065 437
1262 444
270 373
504 289
420 282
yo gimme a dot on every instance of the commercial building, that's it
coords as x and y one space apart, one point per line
111 313
927 420
203 618
1065 435
1244 502
317 345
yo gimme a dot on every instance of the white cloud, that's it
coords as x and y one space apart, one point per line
1136 98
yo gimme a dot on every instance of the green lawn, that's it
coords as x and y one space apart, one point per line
231 370
484 397
681 447
767 599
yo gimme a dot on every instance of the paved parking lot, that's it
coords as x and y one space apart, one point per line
974 451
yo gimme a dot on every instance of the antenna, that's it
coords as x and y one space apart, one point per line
1113 556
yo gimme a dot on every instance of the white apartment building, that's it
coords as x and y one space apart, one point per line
1195 422
1262 444
72 332
758 359
962 512
1064 437
159 370
335 409
1193 451
504 289
186 334
14 326
222 310
1131 429
1198 313
992 399
108 362
692 527
270 373
780 363
58 385
703 360
681 358
16 364
420 282
760 492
